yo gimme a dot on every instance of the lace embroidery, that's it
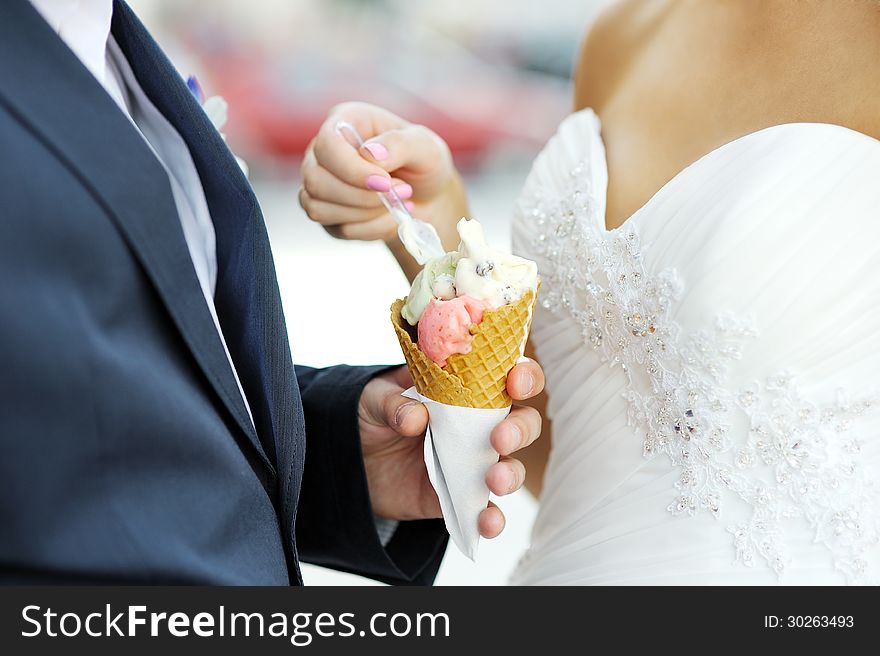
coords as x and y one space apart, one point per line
676 393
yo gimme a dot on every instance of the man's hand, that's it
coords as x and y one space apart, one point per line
392 431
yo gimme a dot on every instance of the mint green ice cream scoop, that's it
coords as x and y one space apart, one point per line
439 271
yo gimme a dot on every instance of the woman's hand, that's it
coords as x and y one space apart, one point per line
339 182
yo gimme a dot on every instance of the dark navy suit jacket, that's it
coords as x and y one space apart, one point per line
126 451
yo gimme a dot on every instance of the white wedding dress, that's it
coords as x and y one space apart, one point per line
712 365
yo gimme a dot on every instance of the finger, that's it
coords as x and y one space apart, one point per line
326 213
369 120
413 148
491 521
519 429
321 184
525 380
506 476
382 227
336 155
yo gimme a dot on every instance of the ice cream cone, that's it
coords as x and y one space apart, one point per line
477 379
448 310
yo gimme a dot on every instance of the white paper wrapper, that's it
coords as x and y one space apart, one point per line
458 454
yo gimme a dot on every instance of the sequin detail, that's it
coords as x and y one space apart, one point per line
795 459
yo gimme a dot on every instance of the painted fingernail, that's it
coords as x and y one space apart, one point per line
377 150
402 412
378 183
403 190
411 206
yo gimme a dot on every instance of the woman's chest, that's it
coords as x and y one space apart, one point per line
695 88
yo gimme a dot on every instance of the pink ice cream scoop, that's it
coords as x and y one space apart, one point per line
444 327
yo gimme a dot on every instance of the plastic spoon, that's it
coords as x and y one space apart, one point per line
419 238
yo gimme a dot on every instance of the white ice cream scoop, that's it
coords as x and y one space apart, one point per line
419 238
489 274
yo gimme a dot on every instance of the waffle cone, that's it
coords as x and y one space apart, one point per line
477 379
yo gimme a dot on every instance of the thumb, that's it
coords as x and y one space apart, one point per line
406 416
387 407
413 148
402 377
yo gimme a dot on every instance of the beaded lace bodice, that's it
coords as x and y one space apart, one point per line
731 425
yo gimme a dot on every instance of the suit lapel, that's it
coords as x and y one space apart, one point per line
246 286
247 297
50 91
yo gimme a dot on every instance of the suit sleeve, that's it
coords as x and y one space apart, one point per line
334 523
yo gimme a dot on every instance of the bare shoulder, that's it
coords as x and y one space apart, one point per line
611 45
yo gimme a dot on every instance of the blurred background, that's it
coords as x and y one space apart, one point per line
492 77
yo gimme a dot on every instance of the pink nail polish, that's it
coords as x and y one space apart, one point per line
378 183
403 190
377 150
411 206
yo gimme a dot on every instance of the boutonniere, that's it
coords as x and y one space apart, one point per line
217 110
